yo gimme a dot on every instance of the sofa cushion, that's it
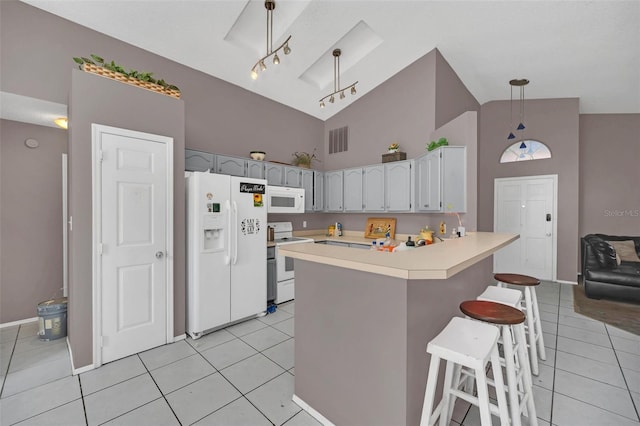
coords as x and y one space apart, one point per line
626 250
627 274
604 253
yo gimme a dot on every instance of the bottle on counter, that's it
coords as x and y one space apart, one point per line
374 245
338 229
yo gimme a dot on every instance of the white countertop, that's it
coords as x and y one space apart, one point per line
436 261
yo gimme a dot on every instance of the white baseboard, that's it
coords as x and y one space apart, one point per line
75 371
19 322
567 282
316 415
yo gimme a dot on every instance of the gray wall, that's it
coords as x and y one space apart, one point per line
554 122
420 103
30 218
219 117
95 99
609 174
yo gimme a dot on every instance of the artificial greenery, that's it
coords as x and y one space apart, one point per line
433 145
112 66
304 158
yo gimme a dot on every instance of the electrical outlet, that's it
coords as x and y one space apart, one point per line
443 228
304 223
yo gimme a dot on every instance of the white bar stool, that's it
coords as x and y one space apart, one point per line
470 344
534 328
516 360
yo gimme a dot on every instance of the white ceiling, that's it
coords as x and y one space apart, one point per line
584 49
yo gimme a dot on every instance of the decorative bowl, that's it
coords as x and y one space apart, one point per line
257 155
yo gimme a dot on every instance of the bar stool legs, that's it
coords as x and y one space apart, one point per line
534 327
469 344
511 323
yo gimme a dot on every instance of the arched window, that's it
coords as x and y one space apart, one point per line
525 150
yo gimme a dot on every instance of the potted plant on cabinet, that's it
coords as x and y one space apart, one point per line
304 159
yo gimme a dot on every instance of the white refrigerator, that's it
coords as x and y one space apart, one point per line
226 250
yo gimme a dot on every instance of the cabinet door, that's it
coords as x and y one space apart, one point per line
398 185
373 188
454 179
255 169
230 165
197 161
309 193
273 174
292 177
353 190
428 182
333 190
318 191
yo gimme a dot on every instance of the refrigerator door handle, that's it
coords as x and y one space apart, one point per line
227 242
235 232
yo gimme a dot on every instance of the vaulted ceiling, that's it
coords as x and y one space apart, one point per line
584 49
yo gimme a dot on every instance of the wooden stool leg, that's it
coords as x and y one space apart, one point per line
539 336
483 395
446 394
503 409
526 375
512 385
430 391
533 352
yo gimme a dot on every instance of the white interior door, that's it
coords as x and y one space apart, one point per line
527 206
134 240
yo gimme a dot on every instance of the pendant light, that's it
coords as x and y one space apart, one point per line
518 83
260 65
336 81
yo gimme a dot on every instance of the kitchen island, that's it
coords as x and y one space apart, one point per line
363 320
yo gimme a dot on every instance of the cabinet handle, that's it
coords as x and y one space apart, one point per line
426 205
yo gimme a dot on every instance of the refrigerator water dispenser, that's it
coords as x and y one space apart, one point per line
213 229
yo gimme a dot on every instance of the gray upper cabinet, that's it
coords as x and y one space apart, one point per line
312 182
333 190
292 177
232 166
318 191
198 161
428 182
353 190
398 185
441 180
373 188
255 169
273 174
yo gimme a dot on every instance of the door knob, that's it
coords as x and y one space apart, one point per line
159 254
548 234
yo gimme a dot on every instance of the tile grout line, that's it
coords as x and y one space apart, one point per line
13 349
615 353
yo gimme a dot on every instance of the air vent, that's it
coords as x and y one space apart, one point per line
339 140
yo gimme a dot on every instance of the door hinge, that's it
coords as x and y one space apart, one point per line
101 156
440 203
100 249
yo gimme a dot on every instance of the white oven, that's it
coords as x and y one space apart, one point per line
283 199
285 271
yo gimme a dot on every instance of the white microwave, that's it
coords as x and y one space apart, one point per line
283 199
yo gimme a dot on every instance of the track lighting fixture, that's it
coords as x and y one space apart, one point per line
517 83
336 81
260 66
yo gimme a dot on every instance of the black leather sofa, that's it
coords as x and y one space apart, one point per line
606 278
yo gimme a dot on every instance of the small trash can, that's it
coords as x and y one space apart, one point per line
52 319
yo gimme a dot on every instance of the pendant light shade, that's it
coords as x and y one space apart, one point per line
517 83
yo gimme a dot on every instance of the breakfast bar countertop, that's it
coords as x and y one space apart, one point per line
436 261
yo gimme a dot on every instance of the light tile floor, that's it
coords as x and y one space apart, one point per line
243 375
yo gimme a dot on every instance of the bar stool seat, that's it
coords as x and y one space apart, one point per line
533 326
469 344
516 363
506 296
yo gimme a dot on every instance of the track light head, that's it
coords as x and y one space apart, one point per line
321 104
254 74
332 99
286 49
276 59
262 66
353 90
